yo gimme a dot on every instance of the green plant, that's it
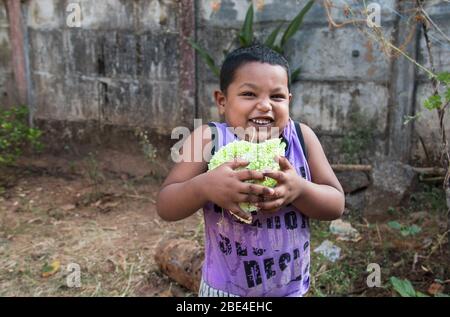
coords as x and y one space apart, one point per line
391 211
16 135
405 230
405 288
440 100
246 38
148 149
430 198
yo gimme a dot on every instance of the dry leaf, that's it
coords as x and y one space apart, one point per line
166 293
435 288
49 270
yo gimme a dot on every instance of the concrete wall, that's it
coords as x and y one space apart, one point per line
6 76
427 126
343 72
333 83
126 65
120 67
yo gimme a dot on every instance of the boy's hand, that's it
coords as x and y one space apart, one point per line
226 187
289 187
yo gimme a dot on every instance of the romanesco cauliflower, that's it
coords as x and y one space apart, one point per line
259 155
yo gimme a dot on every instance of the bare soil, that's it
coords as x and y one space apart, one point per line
98 211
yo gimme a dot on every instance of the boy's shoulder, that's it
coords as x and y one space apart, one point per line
310 138
306 136
203 130
306 129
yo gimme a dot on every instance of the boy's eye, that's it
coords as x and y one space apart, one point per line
247 94
278 97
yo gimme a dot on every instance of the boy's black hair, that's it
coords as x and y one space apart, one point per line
243 55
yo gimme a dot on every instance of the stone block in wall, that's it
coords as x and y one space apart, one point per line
338 54
65 98
327 106
82 56
134 103
160 56
116 53
49 96
46 52
393 182
352 181
355 201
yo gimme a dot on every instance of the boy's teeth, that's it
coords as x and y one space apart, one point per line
261 121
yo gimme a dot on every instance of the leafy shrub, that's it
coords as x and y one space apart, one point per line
16 135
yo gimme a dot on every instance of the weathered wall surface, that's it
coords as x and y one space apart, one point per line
126 65
6 86
120 67
427 126
345 78
341 71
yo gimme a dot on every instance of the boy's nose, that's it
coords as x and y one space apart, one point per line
264 105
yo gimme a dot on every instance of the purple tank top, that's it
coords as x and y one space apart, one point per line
269 257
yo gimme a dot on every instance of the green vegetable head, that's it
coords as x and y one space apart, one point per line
260 155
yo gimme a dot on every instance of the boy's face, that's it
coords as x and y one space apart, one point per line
257 100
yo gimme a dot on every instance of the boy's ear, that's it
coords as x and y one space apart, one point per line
290 97
220 99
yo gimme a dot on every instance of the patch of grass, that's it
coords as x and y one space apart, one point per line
332 279
319 230
429 198
327 278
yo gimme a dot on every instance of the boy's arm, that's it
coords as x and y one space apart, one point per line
182 192
187 187
323 198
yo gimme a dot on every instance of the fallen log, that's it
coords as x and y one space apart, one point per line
351 167
181 260
429 170
439 179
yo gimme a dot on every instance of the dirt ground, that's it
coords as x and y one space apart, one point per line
83 212
98 211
